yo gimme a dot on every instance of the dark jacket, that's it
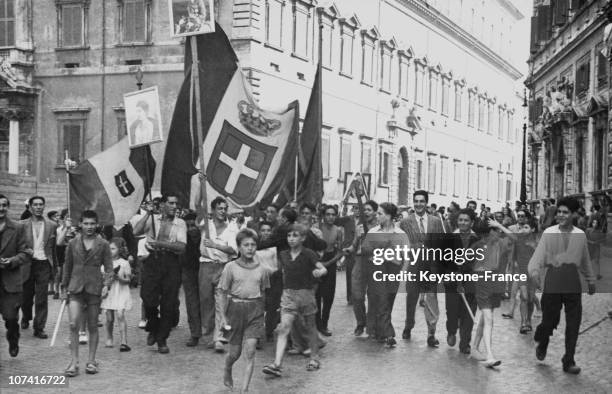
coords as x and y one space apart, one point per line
82 267
14 247
278 239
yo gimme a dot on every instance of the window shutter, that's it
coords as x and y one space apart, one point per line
72 141
534 34
561 9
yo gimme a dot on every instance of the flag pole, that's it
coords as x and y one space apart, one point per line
297 163
195 87
67 181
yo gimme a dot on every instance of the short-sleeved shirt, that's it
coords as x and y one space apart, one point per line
244 281
297 274
177 231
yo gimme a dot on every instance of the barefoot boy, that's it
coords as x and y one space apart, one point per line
300 268
241 288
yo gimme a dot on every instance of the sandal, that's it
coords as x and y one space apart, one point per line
71 373
273 370
507 316
91 368
491 363
524 330
313 365
124 348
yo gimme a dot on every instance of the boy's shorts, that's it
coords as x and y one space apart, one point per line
85 298
298 302
246 319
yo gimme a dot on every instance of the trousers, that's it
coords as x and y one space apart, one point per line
9 308
359 284
161 280
192 300
349 263
457 314
210 303
558 278
35 293
381 297
325 296
272 302
431 310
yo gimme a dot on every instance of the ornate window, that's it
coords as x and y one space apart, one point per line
134 21
327 16
368 42
347 40
71 131
404 69
301 28
274 23
7 23
386 61
72 23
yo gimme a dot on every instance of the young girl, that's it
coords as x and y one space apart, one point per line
119 299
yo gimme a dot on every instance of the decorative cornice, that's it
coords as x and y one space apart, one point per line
370 35
331 13
352 23
438 19
408 53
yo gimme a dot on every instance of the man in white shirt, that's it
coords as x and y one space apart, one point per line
216 250
166 237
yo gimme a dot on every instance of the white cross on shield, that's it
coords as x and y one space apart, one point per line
123 184
238 165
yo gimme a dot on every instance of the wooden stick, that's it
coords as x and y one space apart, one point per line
195 87
57 323
67 180
468 307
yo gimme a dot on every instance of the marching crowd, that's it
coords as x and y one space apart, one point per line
272 276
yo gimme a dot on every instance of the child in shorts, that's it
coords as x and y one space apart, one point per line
242 287
300 267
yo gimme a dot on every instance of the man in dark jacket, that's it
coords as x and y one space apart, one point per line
13 254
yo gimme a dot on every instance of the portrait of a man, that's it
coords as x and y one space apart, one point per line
142 117
190 17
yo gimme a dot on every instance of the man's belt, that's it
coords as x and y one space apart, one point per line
212 261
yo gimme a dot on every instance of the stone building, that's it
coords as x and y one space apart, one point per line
569 84
416 94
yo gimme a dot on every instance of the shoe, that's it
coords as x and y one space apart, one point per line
491 363
219 347
306 352
359 331
541 351
451 339
14 348
72 372
406 333
192 342
465 349
151 339
41 334
507 316
82 338
294 352
56 296
432 341
325 332
272 369
25 324
390 342
142 324
162 348
571 367
91 368
124 348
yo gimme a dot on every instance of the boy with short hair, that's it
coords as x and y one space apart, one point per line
300 267
241 289
84 287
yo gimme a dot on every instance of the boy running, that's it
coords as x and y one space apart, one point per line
300 268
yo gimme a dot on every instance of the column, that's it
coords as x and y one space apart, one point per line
13 165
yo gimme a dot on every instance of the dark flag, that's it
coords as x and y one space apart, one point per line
246 149
113 183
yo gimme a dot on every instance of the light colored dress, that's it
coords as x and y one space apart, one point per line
119 296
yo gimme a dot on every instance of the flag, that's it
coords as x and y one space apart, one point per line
247 150
113 183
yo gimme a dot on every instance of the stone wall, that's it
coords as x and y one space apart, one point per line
20 188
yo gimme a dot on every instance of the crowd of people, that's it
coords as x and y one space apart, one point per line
271 276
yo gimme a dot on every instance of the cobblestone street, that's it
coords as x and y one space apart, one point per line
349 364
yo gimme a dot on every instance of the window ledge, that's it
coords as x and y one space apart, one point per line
384 91
295 55
328 68
340 180
272 46
326 178
346 75
383 185
133 44
78 48
366 84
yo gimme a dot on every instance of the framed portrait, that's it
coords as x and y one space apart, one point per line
143 117
191 17
610 148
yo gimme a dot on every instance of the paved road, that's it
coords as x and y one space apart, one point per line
349 364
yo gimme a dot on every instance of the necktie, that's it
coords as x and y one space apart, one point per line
421 227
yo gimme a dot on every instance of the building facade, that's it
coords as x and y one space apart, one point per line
569 83
417 95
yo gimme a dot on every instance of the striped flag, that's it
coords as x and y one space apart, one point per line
112 183
247 150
